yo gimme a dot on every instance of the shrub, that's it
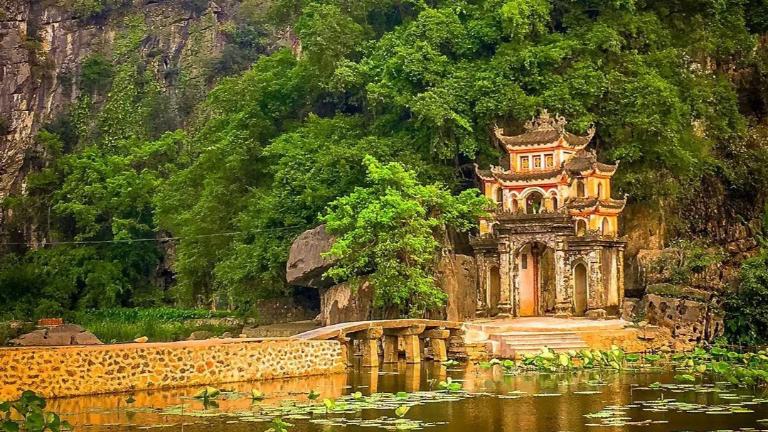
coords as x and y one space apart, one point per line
746 320
95 74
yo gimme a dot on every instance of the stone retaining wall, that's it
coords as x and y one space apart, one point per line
82 370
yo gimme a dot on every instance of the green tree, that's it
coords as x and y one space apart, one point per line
388 231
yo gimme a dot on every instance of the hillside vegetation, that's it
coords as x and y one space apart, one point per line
675 88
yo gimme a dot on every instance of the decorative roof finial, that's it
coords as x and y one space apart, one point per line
546 122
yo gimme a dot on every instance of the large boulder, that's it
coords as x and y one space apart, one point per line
457 276
306 265
67 334
345 303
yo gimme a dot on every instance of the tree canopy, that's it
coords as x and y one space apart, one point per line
672 87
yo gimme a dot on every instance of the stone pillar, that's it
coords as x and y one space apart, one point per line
596 287
620 267
563 285
390 349
409 338
370 346
437 338
482 288
347 351
505 266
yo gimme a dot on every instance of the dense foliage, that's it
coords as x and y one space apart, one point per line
387 233
672 87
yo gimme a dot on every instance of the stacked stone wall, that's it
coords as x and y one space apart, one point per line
82 370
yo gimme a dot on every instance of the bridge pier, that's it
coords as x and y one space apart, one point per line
370 346
347 350
410 340
391 349
437 338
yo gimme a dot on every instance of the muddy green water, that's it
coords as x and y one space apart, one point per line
489 401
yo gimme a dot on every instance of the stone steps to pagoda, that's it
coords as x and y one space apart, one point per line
515 344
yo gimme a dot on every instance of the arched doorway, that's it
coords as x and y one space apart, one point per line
535 279
580 289
494 292
533 202
554 201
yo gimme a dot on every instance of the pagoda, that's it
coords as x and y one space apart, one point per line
551 247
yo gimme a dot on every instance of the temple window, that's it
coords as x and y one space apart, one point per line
525 163
580 190
581 227
606 228
537 162
554 202
514 204
600 191
499 195
533 203
549 160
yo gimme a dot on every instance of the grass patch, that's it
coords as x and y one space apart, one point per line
157 324
678 291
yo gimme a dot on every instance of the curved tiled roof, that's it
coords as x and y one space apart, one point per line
585 160
594 203
518 176
544 129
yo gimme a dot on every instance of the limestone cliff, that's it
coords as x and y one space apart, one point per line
43 47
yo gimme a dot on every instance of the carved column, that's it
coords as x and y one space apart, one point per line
505 301
437 338
482 288
620 265
563 289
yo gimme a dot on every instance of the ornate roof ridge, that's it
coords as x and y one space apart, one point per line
544 129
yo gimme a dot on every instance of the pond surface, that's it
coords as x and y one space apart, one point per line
588 400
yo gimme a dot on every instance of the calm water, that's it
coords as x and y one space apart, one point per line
489 401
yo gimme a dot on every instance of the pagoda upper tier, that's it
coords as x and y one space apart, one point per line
547 169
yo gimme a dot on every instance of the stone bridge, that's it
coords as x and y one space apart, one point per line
406 336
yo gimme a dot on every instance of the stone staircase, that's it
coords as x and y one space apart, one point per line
514 345
511 338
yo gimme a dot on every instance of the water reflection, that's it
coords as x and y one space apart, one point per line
498 402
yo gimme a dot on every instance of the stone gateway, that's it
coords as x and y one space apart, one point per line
551 246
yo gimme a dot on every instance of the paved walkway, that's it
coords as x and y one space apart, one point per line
544 324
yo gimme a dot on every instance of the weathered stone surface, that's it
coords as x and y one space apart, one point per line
457 277
67 334
596 314
342 303
306 265
200 335
72 371
690 321
42 50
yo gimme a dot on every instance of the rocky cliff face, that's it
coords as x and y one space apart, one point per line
43 47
